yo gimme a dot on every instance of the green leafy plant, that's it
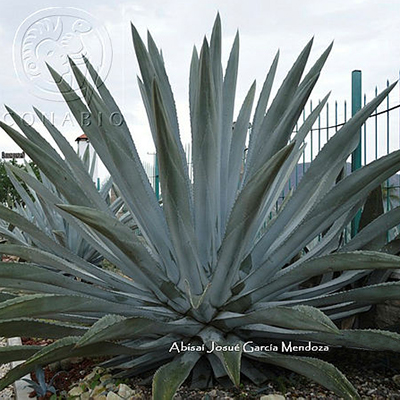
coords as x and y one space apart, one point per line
201 273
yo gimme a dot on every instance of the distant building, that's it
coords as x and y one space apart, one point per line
82 145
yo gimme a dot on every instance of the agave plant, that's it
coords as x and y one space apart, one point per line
41 387
35 210
203 290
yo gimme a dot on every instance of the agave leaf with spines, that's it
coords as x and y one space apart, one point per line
320 371
39 212
206 265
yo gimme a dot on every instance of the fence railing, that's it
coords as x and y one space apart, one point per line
379 136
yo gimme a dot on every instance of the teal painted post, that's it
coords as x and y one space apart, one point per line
387 152
356 156
157 178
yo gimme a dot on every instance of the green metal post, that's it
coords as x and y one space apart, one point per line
356 156
157 178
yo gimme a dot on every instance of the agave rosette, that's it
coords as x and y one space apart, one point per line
45 217
202 271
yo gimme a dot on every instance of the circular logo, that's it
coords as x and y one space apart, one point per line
50 36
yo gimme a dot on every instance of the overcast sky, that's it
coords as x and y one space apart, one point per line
366 36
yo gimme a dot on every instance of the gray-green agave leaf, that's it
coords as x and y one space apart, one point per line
217 259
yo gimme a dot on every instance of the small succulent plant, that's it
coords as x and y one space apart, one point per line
41 387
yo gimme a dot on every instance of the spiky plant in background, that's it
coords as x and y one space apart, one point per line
201 273
34 210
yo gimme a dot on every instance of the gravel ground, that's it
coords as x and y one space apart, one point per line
8 393
376 375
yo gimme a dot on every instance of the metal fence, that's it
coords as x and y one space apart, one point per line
379 136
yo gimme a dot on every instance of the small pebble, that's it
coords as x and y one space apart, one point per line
113 396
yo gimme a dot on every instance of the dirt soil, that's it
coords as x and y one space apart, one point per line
376 375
